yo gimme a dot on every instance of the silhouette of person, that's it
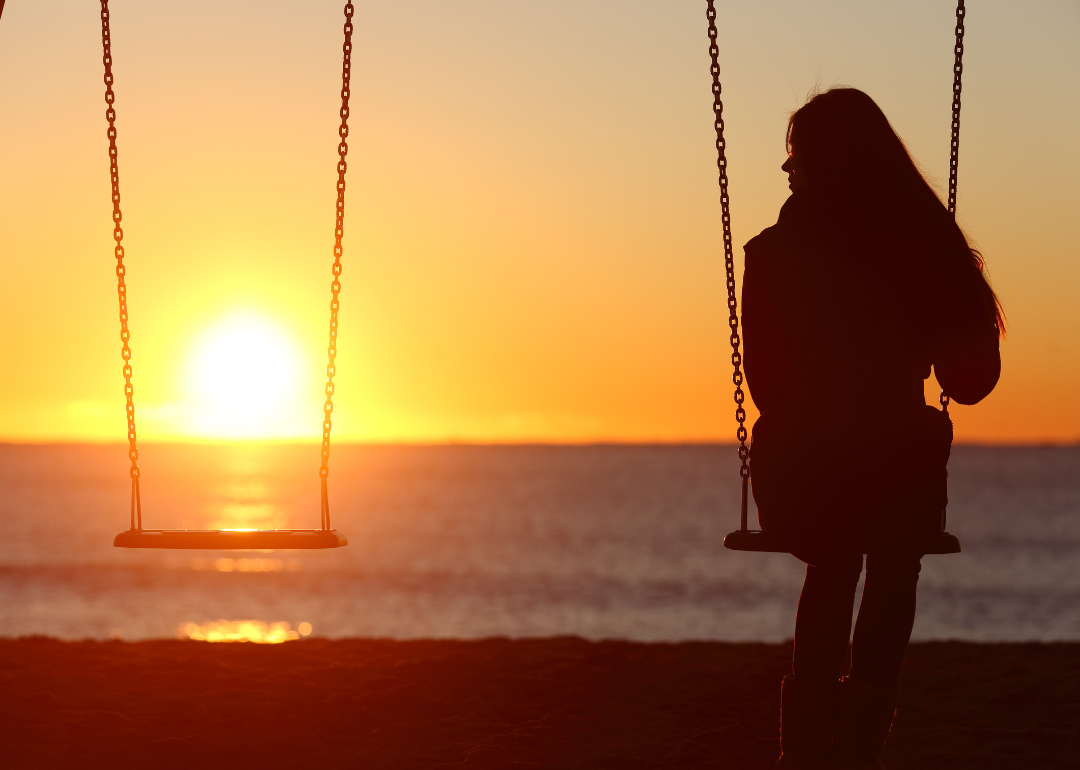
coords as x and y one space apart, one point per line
862 285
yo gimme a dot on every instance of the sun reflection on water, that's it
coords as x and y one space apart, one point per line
246 565
238 515
242 631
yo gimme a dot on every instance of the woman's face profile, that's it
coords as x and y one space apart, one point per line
796 181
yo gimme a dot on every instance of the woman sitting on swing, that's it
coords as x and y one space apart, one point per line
863 284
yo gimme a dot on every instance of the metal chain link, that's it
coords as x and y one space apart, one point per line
121 271
335 286
958 71
954 144
729 258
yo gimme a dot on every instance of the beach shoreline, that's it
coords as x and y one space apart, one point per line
546 703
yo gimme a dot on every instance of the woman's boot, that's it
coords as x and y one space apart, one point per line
864 718
807 718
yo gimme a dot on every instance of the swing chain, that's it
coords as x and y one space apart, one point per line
335 286
958 71
729 259
121 271
954 144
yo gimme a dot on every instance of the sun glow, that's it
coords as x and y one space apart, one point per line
242 631
245 379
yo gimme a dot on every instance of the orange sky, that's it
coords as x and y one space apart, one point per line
533 247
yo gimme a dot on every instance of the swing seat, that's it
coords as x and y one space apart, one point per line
231 539
770 542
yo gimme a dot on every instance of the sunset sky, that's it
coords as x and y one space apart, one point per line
532 247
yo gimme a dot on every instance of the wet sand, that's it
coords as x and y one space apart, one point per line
548 703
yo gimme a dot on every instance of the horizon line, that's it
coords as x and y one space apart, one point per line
1035 444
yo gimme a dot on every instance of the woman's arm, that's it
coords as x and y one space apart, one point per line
968 369
967 360
764 345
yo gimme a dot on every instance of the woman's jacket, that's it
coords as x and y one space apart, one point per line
845 309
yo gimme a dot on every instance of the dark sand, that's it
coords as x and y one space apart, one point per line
554 703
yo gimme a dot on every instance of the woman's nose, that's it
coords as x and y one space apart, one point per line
787 167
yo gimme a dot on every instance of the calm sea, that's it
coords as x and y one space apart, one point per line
472 541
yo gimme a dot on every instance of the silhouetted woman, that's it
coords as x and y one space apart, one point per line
862 285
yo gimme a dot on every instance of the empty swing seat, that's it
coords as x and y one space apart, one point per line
226 539
231 539
770 542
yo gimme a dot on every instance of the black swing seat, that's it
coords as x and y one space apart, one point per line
231 539
756 540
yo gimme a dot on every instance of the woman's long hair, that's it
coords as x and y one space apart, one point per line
848 152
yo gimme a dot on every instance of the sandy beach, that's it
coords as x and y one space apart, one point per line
545 703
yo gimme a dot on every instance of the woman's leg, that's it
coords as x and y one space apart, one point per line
809 697
868 696
886 616
823 621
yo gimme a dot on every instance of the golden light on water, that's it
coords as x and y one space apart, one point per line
242 631
239 517
226 564
244 378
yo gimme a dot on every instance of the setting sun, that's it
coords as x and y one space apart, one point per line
245 378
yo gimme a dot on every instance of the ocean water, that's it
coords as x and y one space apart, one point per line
474 541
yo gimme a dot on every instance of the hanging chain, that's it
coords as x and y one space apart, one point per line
954 144
958 71
335 286
729 259
121 271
